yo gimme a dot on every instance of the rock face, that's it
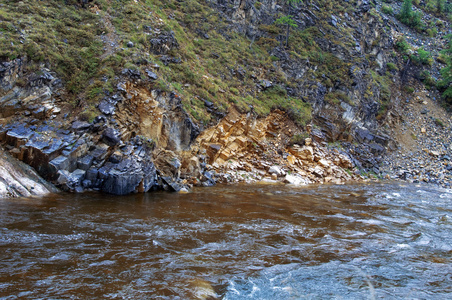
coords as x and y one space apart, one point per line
80 160
243 148
163 43
20 180
110 155
9 73
75 155
154 115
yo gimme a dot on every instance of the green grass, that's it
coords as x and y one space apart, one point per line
224 68
63 37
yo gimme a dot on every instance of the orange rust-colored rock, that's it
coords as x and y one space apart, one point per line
242 147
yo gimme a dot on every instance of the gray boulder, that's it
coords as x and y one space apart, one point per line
127 177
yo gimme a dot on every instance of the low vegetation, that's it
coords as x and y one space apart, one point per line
216 67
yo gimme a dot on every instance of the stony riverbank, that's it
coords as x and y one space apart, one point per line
146 141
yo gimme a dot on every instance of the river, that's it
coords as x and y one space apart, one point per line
359 241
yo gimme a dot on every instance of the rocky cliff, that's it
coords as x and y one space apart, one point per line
137 96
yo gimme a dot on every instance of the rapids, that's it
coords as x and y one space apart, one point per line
361 241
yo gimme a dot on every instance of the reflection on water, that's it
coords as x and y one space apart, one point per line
231 242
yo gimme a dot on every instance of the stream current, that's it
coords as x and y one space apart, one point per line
360 241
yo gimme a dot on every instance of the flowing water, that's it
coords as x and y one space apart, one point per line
364 241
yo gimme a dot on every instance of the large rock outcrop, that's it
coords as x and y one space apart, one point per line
112 155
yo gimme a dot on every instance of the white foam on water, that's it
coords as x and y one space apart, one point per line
371 222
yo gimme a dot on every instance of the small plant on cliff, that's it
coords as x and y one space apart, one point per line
387 10
427 79
392 66
408 89
439 123
299 138
438 6
423 57
402 46
409 17
287 20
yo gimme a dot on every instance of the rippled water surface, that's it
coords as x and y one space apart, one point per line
386 241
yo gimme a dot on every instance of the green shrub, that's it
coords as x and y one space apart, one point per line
317 56
299 138
427 79
432 31
439 123
234 91
408 89
409 17
402 46
445 84
392 67
337 97
387 10
89 114
423 57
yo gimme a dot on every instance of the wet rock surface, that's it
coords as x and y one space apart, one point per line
78 161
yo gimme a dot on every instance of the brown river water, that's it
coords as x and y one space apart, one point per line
361 241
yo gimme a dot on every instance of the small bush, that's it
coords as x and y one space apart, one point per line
423 57
387 10
234 91
409 17
408 89
337 97
299 138
427 79
402 46
432 32
392 67
439 123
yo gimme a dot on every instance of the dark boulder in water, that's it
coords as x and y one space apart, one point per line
128 176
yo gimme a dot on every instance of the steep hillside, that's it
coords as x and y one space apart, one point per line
125 96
